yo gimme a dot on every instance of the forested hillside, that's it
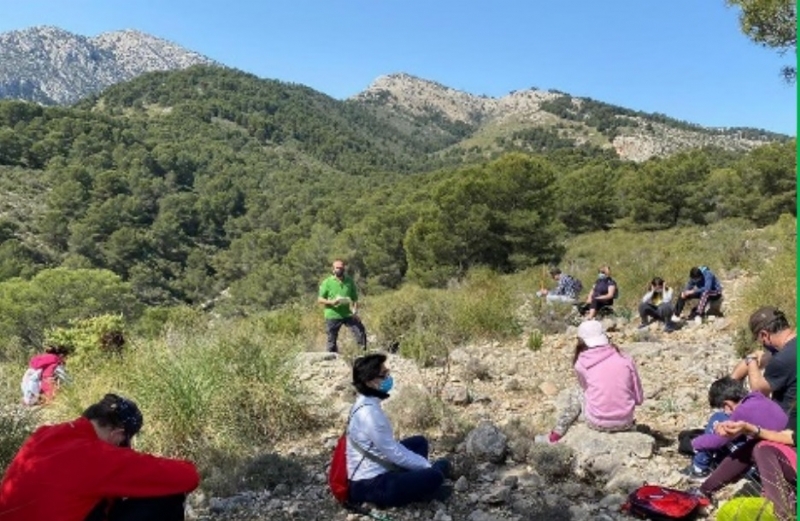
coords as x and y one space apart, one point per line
194 184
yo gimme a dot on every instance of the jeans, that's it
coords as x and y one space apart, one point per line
400 488
700 309
703 459
662 312
333 325
165 508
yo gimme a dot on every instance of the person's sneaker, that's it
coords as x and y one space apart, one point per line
669 327
676 318
707 503
547 438
694 473
698 320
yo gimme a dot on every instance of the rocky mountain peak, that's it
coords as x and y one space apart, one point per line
52 66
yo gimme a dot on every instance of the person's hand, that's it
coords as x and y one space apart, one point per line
729 429
758 355
336 301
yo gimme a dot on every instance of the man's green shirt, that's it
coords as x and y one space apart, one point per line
332 288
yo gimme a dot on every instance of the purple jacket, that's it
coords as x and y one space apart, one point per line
754 408
611 386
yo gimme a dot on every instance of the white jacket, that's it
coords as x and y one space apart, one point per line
666 296
370 429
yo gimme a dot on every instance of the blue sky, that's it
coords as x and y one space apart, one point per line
684 58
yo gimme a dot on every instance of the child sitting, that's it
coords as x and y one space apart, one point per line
734 404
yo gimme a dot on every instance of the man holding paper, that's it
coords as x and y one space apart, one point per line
339 297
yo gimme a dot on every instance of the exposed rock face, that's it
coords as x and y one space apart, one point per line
453 117
55 67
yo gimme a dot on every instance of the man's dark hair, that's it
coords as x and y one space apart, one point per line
724 389
695 273
366 369
657 281
555 271
116 412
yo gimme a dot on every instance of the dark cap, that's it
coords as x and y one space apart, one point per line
129 416
763 317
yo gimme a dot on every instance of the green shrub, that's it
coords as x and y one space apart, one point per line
228 389
484 307
535 340
89 338
155 320
15 426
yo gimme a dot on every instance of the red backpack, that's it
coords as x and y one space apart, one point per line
663 504
337 475
338 480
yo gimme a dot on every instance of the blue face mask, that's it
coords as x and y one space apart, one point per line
386 384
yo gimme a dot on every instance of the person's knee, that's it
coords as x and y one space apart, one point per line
417 444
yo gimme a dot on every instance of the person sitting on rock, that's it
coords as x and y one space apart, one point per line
567 289
775 456
86 470
657 305
602 296
383 471
609 386
773 370
733 404
704 286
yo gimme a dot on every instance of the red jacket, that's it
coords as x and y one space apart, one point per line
63 471
47 362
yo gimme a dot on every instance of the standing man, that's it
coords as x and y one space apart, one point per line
338 295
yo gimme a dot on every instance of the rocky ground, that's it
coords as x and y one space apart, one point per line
484 407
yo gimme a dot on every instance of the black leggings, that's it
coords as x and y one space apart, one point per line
165 508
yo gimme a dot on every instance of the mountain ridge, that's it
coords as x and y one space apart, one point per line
67 67
52 66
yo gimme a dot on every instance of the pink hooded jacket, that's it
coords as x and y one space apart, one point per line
48 363
611 385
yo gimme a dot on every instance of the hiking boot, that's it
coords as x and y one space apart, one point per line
669 327
695 473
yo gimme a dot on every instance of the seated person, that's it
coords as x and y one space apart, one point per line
657 305
734 404
602 296
609 388
382 470
566 291
772 371
776 459
702 285
85 470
